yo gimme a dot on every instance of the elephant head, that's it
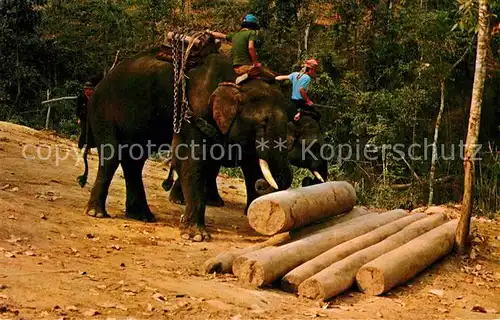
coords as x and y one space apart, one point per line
253 117
304 142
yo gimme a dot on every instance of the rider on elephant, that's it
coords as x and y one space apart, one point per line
245 59
300 85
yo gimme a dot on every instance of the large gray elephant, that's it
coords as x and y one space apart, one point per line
131 111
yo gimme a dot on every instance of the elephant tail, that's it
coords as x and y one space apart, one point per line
82 180
169 181
89 143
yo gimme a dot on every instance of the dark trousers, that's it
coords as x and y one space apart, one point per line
305 109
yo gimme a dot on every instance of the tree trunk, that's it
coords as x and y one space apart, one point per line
473 131
435 147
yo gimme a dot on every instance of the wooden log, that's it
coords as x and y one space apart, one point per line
266 268
288 209
311 229
240 260
341 275
403 263
223 262
294 278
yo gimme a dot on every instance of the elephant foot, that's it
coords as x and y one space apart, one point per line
97 213
146 216
195 233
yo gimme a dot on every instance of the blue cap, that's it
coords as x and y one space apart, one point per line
250 18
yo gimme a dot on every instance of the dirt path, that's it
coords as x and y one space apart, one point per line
57 263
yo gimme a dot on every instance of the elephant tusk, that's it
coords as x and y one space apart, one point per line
317 175
264 167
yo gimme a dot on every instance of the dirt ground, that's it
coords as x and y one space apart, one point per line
57 263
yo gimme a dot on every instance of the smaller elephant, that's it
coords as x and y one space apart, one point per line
305 148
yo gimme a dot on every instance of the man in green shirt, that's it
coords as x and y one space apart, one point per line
245 61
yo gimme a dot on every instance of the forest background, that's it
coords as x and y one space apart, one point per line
386 68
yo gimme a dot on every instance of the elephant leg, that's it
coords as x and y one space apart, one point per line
252 173
176 195
211 192
108 163
193 188
193 181
136 204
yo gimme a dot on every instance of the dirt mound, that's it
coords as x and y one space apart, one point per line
56 262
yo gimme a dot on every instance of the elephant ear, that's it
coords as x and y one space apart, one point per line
224 102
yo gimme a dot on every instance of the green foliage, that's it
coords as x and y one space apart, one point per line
23 54
232 172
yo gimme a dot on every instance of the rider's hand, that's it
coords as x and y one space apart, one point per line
257 65
78 121
309 103
297 116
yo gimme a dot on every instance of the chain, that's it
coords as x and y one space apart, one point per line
185 115
181 54
175 62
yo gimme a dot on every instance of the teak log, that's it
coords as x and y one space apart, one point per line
314 228
341 275
288 209
223 262
294 278
403 263
266 268
240 260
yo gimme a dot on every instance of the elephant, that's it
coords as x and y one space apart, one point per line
304 141
132 110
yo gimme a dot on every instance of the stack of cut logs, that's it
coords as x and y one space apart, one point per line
322 244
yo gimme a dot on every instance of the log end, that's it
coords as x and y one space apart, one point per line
251 273
237 264
312 289
370 281
290 283
267 217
